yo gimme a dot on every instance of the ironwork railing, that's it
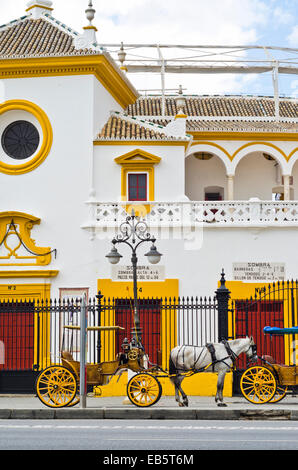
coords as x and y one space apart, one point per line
32 334
272 305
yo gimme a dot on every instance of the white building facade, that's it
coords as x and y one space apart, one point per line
215 178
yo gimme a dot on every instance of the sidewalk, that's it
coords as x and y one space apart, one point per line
205 408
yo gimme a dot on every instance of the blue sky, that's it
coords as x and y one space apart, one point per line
235 22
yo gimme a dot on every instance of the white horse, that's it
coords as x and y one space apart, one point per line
218 356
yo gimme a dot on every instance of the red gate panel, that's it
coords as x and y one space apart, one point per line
250 319
150 319
16 336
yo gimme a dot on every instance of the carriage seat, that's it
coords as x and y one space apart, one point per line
69 362
67 355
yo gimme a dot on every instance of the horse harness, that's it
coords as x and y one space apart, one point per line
231 355
210 346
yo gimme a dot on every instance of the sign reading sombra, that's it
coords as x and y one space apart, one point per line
255 271
144 273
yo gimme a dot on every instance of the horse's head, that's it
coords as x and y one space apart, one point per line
252 350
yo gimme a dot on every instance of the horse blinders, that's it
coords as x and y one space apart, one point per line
254 356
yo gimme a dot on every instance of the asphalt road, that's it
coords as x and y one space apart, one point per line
147 435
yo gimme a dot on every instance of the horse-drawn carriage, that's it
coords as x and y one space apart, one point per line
270 381
57 386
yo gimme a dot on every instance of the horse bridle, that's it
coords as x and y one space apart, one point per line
233 356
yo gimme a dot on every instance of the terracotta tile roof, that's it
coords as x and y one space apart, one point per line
241 126
123 127
30 37
193 125
215 106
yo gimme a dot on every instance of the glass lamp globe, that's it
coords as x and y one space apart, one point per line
114 256
153 255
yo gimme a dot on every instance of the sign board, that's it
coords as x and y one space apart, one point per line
144 273
258 271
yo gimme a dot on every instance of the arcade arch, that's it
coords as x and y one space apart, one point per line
205 177
255 169
256 175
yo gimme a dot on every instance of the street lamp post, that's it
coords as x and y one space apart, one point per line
134 232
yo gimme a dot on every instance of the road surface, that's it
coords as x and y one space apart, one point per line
136 435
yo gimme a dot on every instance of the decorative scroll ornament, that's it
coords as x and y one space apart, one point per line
17 248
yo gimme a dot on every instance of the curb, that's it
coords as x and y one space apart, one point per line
159 414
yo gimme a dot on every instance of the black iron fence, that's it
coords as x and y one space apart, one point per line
32 334
273 305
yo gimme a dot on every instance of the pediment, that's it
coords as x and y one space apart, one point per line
137 156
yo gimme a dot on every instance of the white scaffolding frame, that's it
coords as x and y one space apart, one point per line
207 59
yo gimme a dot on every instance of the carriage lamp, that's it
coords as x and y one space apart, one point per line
133 232
114 256
154 256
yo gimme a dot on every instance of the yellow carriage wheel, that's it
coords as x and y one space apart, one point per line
144 390
258 384
56 386
281 391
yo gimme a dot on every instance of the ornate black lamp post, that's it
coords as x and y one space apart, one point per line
134 232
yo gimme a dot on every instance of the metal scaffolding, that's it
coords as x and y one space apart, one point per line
206 59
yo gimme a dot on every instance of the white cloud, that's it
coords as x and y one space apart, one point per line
230 22
293 37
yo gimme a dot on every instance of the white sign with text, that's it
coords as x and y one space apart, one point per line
144 273
258 271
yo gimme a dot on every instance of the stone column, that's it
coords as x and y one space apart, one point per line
230 195
286 179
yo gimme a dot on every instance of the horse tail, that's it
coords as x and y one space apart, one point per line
172 367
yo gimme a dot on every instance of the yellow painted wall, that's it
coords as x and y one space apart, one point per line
119 289
166 288
202 384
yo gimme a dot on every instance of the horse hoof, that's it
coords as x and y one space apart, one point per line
221 404
181 404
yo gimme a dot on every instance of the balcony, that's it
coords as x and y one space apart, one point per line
251 213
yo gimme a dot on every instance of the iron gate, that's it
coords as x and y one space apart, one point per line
272 305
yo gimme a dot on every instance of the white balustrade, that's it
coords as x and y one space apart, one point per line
192 213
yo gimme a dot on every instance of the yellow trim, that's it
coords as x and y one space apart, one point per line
213 144
143 142
90 27
244 135
28 274
98 65
135 161
33 292
137 156
117 289
25 223
25 291
249 144
47 135
39 6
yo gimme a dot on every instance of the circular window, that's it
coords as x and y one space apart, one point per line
20 140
